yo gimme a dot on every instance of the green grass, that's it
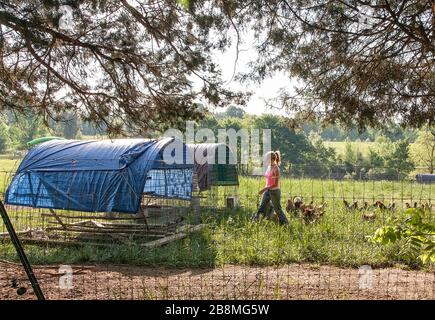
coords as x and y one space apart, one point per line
229 238
7 164
339 238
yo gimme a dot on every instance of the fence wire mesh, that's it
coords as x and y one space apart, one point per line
209 248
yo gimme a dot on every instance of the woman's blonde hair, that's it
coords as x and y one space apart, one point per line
275 156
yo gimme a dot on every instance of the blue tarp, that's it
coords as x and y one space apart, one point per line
97 176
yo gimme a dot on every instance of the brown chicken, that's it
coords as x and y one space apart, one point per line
309 215
351 207
308 212
291 208
380 205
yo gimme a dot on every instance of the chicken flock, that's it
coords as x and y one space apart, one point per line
311 212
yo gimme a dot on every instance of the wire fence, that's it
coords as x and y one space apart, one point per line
208 247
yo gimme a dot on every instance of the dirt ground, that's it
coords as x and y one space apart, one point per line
295 281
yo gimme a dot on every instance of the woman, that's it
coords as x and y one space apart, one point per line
272 192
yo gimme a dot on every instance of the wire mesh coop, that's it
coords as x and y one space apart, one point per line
215 178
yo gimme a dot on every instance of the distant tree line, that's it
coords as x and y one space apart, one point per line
394 153
16 129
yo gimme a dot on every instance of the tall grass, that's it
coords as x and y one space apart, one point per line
339 238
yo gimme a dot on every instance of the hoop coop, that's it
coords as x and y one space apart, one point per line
112 189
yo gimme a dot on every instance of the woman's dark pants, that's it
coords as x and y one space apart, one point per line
265 209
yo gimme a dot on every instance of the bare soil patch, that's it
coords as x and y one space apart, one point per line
295 281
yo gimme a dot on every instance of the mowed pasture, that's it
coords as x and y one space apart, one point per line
362 147
338 238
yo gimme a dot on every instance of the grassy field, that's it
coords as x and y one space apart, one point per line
360 146
338 238
7 164
7 168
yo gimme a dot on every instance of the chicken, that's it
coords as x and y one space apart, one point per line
380 205
309 215
369 216
391 206
297 202
308 211
290 207
320 210
365 206
353 206
407 205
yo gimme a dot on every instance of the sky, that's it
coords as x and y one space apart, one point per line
268 89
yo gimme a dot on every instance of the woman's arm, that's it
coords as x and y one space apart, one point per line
262 190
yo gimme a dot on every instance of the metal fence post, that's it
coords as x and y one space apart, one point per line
21 253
